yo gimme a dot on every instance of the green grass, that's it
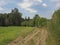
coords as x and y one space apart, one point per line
7 34
50 40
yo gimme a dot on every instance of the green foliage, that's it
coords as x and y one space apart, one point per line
13 18
54 26
39 22
7 34
43 22
27 22
36 20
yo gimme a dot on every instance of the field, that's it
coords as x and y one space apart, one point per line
28 35
7 34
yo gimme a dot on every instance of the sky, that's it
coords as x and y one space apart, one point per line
45 8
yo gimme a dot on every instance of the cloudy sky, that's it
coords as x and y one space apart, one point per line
44 8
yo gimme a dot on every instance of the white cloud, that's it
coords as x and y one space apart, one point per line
31 10
44 5
27 4
33 1
1 9
39 0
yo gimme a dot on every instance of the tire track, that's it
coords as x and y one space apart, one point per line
28 38
41 38
21 41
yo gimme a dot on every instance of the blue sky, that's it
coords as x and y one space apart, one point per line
45 8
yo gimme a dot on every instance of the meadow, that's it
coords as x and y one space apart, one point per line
8 34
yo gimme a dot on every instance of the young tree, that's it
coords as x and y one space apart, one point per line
36 20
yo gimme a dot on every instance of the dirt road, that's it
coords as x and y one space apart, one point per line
41 39
44 35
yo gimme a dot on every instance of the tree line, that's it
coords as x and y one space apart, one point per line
14 18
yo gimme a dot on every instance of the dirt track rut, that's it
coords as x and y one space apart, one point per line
41 40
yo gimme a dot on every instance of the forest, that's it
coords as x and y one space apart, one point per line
14 18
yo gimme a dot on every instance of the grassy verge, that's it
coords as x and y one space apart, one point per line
7 34
51 40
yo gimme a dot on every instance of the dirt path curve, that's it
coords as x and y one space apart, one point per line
20 41
40 41
28 38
